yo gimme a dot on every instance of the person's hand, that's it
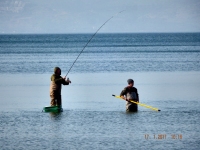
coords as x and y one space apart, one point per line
124 98
68 80
64 78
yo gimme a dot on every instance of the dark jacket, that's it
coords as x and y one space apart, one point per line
131 93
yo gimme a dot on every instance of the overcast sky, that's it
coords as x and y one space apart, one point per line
86 16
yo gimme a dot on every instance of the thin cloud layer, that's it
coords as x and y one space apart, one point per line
86 16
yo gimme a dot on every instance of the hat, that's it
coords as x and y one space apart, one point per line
130 81
56 68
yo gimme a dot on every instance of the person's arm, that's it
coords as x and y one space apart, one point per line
137 96
66 82
123 92
57 79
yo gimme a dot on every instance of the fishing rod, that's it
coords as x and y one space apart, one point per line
144 105
91 39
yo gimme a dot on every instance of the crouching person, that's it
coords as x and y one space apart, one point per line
55 87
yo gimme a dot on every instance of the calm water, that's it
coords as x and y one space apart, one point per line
166 71
105 53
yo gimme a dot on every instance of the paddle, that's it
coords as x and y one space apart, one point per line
144 105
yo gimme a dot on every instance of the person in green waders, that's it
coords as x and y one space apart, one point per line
130 93
56 85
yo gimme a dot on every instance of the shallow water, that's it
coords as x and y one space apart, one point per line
166 70
100 130
93 119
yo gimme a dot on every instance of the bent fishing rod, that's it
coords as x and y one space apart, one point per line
90 40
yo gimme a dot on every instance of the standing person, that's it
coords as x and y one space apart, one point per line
130 93
56 85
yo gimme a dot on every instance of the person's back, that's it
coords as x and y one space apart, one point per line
55 87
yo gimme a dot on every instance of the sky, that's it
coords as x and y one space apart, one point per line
86 16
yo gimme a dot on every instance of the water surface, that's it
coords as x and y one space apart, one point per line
164 66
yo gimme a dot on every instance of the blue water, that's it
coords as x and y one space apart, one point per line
105 53
165 68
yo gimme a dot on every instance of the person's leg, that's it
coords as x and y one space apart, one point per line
59 100
132 108
53 100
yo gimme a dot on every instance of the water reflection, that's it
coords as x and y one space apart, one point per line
55 115
131 112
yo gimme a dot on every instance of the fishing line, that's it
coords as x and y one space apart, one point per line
91 39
